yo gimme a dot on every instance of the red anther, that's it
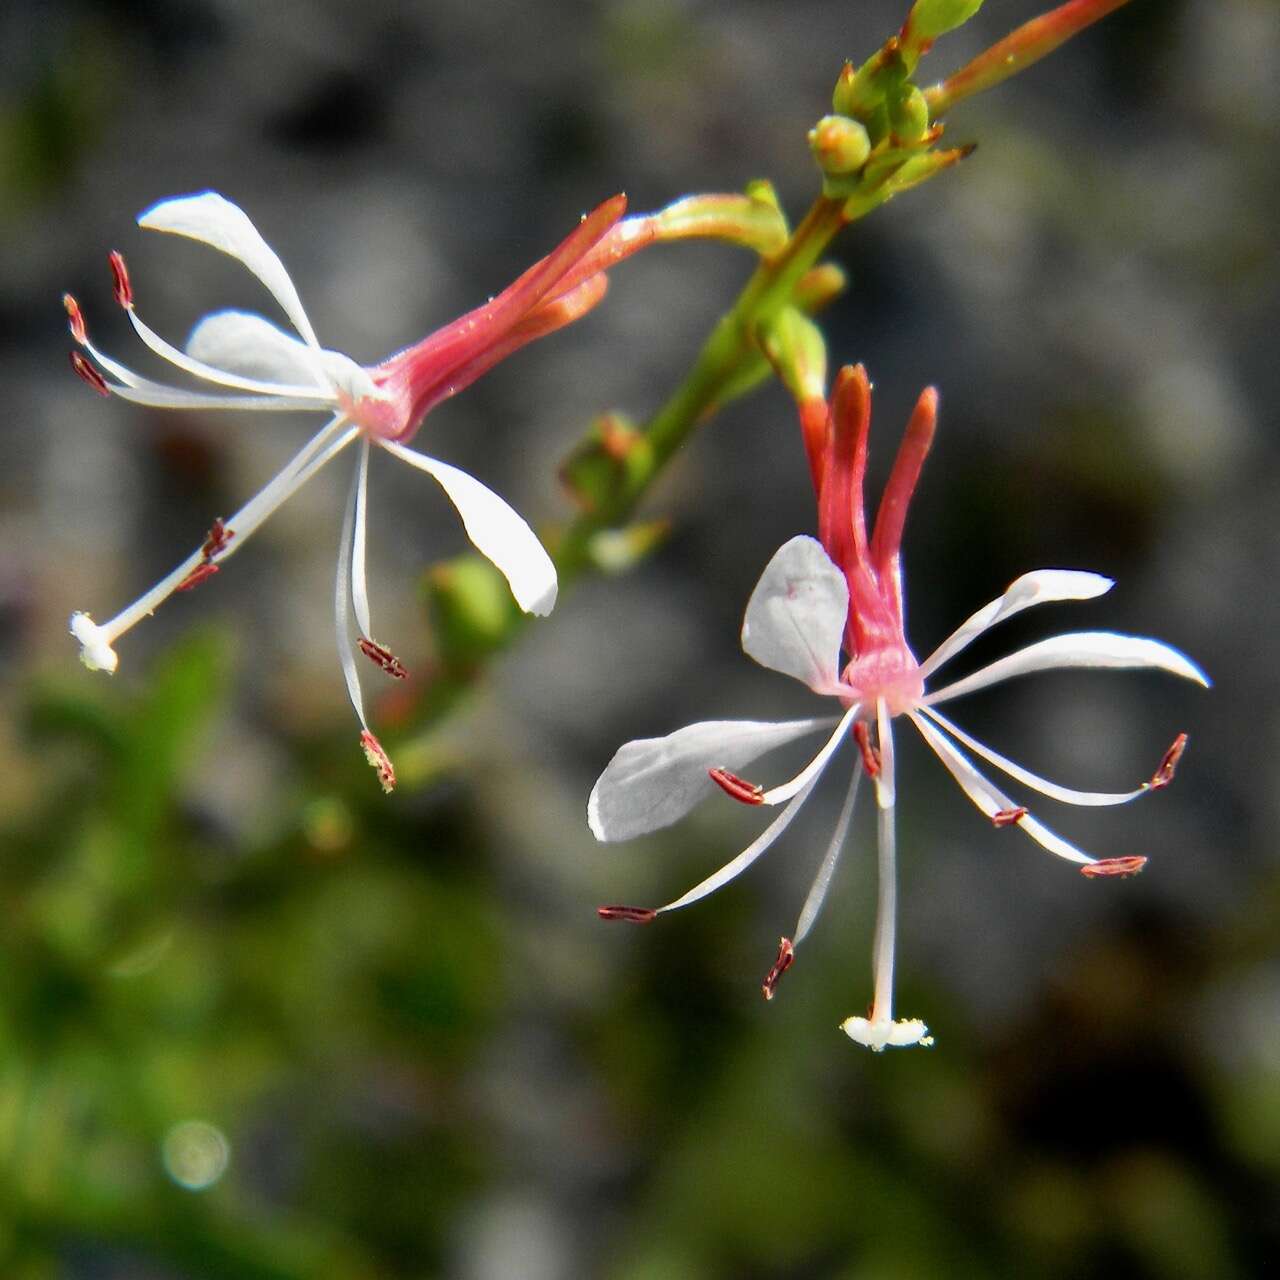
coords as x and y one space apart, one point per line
870 756
379 759
634 915
1106 867
1008 817
739 788
786 958
197 576
382 657
89 374
1168 764
215 542
76 317
120 279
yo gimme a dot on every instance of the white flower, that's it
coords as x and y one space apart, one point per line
800 613
256 365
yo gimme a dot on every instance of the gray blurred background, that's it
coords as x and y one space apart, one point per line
1094 292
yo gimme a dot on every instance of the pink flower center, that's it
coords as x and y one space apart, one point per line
890 673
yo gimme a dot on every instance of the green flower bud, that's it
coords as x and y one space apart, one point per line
909 115
840 146
932 18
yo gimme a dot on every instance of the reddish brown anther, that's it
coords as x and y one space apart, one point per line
197 576
76 317
1009 817
120 279
739 788
786 958
1168 764
215 542
870 756
382 657
379 759
86 372
1113 867
633 915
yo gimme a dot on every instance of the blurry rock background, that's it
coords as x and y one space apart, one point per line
258 1021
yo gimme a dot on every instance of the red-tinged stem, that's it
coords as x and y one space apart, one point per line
1017 51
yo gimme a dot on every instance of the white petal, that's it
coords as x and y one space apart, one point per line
1042 586
796 615
736 866
988 798
215 221
652 782
1100 649
1067 795
877 1035
497 531
95 646
252 346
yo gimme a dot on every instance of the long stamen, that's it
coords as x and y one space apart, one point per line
807 775
315 454
827 868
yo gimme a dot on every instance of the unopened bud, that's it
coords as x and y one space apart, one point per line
932 18
840 145
1113 868
909 115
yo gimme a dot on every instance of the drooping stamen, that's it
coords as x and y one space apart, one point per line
1113 867
120 279
786 958
1009 817
870 756
216 540
633 915
1168 764
378 758
739 788
76 317
197 575
382 657
89 374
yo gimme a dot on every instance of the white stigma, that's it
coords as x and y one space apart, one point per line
876 1036
95 643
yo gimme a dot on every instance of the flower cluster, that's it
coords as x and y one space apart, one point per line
844 591
254 364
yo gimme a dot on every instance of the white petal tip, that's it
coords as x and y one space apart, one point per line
593 816
542 605
95 650
877 1036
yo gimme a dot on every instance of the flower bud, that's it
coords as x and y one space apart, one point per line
909 115
932 18
840 146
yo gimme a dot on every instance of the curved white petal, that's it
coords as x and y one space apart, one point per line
1041 586
1099 649
251 346
785 790
988 798
652 782
796 615
736 866
1055 791
214 220
497 531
